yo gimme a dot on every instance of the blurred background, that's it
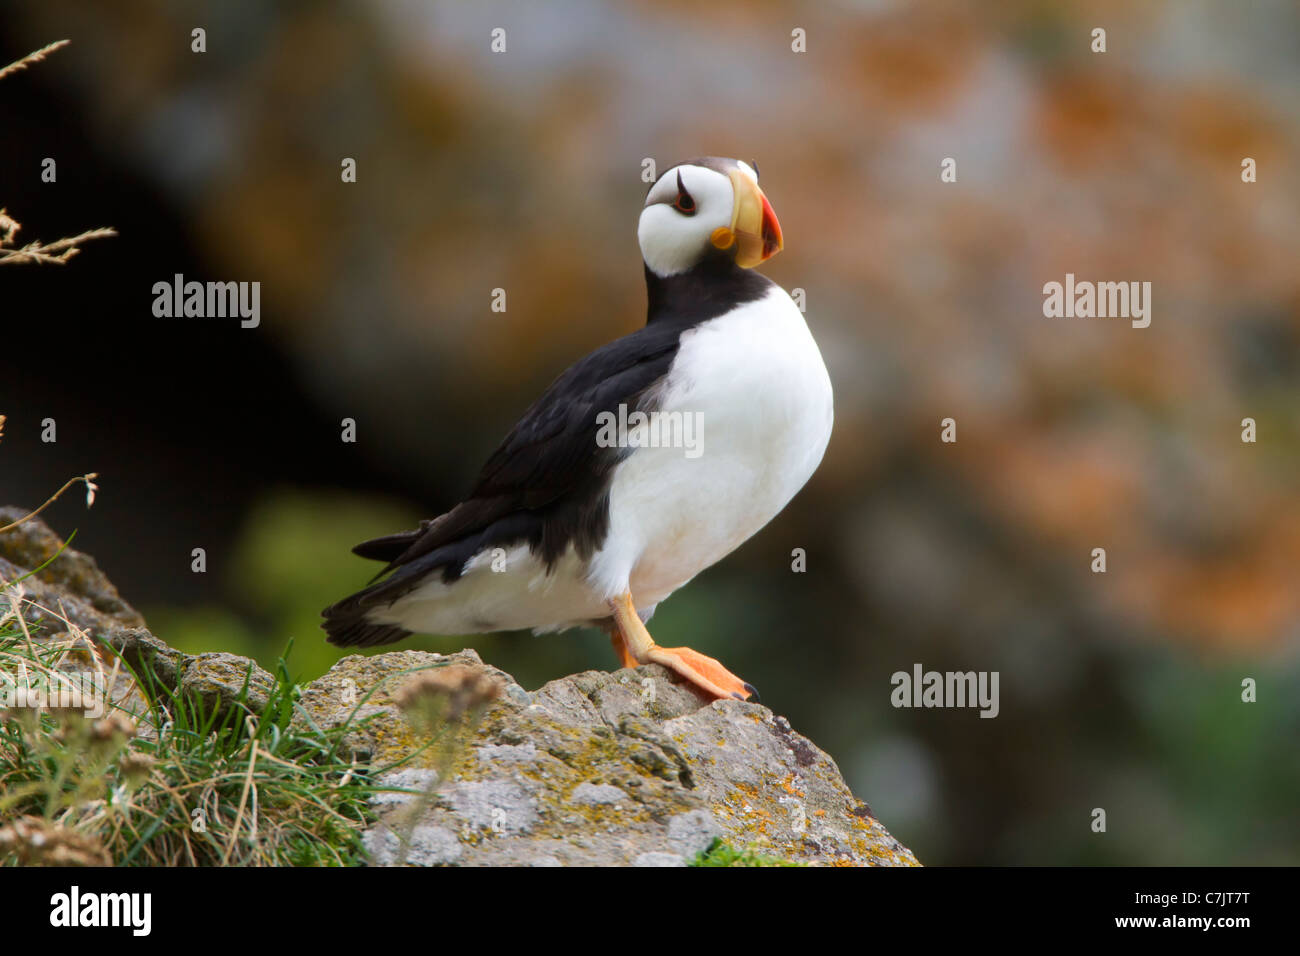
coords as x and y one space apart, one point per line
521 170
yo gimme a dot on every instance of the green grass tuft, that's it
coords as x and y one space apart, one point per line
721 853
181 785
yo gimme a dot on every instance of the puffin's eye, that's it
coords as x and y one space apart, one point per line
684 202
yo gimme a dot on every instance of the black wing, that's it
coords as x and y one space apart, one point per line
547 484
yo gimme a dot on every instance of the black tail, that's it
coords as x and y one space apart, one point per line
347 625
388 548
346 622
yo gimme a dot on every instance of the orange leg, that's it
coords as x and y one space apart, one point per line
702 671
620 648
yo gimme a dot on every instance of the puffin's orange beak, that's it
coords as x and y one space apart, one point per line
758 234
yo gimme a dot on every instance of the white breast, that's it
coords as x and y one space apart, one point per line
757 384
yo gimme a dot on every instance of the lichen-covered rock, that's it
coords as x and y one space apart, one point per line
222 679
628 768
217 682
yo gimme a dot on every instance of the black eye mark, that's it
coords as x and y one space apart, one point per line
684 203
754 166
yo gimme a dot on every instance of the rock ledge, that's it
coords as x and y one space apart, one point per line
624 768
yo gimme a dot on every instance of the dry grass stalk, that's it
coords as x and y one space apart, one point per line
91 488
56 253
34 57
61 250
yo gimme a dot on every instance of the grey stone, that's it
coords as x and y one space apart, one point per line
597 793
693 832
428 846
659 859
409 778
507 755
496 805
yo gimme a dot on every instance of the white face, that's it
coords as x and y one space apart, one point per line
675 230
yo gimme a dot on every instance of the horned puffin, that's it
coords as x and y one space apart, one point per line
563 529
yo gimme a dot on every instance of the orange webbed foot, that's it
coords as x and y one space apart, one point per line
704 672
635 646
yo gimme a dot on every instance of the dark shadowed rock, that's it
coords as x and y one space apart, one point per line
70 584
70 600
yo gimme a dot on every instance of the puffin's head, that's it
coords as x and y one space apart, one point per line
707 208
